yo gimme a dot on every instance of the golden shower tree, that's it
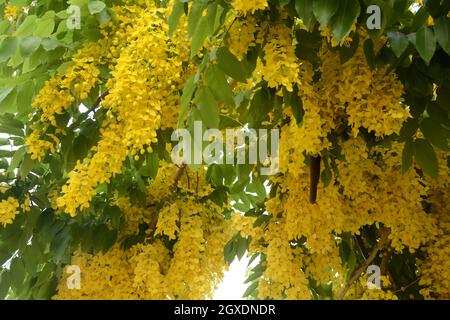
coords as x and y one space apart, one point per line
91 92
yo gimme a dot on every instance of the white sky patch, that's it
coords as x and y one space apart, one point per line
233 286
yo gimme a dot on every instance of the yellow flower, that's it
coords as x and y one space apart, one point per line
8 210
249 6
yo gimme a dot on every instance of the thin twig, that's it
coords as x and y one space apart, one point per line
361 246
98 101
356 274
94 106
226 32
403 289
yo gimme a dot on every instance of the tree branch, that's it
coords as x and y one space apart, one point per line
94 106
356 274
314 178
98 101
361 246
177 175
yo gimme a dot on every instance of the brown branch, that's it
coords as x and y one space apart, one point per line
98 101
314 178
177 175
357 273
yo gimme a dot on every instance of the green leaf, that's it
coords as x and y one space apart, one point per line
17 272
399 42
44 26
29 45
194 17
27 27
8 101
5 283
8 48
442 32
27 165
326 175
150 169
304 10
96 6
251 288
407 156
175 15
242 245
229 252
200 35
261 105
231 66
324 10
346 53
434 133
17 158
369 53
425 43
25 97
342 21
409 129
214 12
426 157
4 26
188 91
4 93
219 85
208 107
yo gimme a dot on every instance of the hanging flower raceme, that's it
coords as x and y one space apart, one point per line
249 6
281 66
8 210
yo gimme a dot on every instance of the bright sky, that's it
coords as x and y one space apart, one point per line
233 286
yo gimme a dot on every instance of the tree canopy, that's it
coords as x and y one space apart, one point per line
91 93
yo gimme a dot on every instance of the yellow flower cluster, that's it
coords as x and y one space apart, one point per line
281 66
106 161
8 210
167 222
327 34
190 269
371 99
370 190
351 94
362 290
38 147
143 80
241 36
150 271
283 277
141 89
249 6
56 97
311 134
134 215
435 268
11 12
